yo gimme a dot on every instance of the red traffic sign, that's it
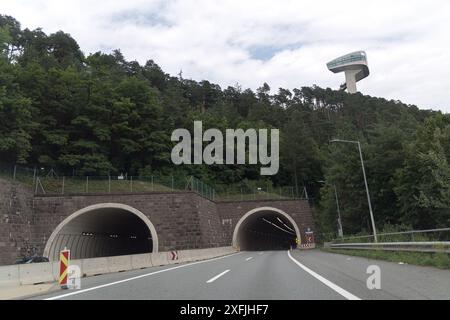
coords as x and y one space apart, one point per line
64 258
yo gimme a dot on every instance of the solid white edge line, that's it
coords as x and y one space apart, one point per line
328 283
137 277
218 276
249 258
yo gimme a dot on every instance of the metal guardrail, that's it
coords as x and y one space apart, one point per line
442 234
434 247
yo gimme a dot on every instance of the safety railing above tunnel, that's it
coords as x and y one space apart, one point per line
50 182
263 192
51 185
45 181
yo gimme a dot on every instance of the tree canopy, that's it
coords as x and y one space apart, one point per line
101 114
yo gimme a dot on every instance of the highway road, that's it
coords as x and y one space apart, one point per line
295 275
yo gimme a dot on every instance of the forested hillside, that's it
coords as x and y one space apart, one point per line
101 114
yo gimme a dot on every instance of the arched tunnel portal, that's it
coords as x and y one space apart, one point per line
265 229
103 230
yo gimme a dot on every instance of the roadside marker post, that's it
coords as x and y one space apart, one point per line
297 243
64 258
173 255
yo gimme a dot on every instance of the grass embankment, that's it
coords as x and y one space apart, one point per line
71 185
93 185
439 260
251 197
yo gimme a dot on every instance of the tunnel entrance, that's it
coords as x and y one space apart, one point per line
101 231
265 229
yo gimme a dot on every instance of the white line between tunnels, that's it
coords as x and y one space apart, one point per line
328 283
137 277
249 258
218 276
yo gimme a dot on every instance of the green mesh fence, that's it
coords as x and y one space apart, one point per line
49 182
237 193
50 185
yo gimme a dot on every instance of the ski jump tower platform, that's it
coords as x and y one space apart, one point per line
355 67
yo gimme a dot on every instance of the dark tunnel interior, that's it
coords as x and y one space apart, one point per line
265 231
101 233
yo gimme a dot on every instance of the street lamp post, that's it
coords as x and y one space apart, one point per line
340 229
365 182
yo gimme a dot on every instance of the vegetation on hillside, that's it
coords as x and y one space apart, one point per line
101 114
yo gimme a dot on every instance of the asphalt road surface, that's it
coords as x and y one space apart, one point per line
296 275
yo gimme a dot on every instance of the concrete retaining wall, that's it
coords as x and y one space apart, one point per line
140 261
119 263
9 276
92 267
159 259
35 273
26 274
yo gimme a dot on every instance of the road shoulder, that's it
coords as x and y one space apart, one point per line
397 281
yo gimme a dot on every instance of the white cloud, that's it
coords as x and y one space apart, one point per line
405 40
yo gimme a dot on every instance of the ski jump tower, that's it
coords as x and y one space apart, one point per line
355 67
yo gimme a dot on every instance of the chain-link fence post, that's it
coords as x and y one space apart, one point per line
34 176
36 186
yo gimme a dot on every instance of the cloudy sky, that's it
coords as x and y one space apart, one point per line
284 43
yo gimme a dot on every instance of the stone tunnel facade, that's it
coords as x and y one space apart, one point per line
183 220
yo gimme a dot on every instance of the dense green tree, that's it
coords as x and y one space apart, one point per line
10 37
423 183
102 114
16 119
